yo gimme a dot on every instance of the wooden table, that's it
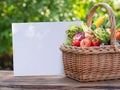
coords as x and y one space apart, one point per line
10 82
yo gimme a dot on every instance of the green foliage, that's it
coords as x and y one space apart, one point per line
12 11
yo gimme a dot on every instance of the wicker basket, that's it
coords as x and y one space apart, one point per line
93 63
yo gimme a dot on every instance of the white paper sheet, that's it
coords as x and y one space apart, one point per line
36 48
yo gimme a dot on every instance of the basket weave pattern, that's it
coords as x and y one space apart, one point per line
93 63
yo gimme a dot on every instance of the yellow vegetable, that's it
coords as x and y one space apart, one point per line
99 21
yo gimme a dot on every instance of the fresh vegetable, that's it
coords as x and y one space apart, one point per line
108 30
79 36
102 34
84 36
73 29
118 25
106 24
99 21
89 34
96 42
68 42
84 27
93 26
102 26
76 42
117 34
86 42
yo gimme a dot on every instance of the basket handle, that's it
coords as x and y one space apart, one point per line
111 17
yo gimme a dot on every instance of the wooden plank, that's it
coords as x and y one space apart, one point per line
7 80
55 89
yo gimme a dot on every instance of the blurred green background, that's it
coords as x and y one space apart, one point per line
12 11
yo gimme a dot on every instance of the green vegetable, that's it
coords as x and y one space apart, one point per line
102 34
102 26
93 26
73 29
107 25
118 25
84 27
68 42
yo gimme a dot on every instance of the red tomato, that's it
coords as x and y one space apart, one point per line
117 34
86 42
96 42
76 42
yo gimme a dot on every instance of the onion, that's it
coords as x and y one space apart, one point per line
79 36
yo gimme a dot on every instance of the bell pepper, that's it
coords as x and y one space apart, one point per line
96 42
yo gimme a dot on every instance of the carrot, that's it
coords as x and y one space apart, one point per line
99 21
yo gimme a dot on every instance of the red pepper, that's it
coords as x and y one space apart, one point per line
96 42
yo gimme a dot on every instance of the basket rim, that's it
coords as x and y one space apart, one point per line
90 50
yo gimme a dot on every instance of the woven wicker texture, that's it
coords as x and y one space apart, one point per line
93 63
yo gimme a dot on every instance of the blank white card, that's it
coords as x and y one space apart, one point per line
36 48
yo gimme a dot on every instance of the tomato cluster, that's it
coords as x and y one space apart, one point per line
85 42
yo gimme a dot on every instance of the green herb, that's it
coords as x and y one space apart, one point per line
102 34
93 27
73 29
68 42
